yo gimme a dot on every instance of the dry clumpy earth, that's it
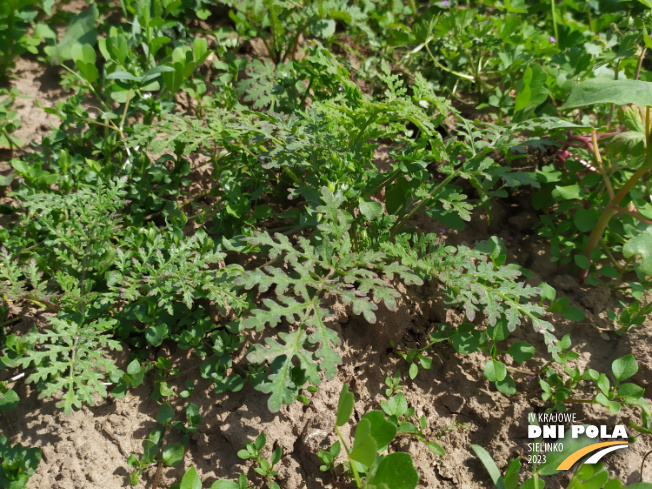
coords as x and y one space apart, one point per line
89 449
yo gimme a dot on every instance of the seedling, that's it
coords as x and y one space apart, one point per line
17 464
265 468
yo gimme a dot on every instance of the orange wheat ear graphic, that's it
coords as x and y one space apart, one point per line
602 449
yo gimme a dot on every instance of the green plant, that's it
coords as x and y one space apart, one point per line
560 391
280 25
15 19
587 476
373 434
69 359
616 184
156 451
398 412
17 464
8 120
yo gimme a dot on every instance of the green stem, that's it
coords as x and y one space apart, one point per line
442 67
9 138
398 225
612 208
294 42
415 11
554 19
598 160
358 481
305 94
367 123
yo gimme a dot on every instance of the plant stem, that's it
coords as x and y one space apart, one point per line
613 106
612 208
643 464
415 11
10 139
598 159
442 67
640 64
580 401
519 371
554 19
358 481
398 225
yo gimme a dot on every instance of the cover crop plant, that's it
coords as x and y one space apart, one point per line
203 195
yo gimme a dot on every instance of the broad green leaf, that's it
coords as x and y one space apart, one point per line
323 28
630 390
364 445
396 197
624 367
81 29
641 248
568 192
506 386
495 370
534 90
581 261
8 399
150 450
395 471
533 483
200 50
521 351
612 406
413 371
122 75
156 334
84 57
370 209
586 219
225 484
190 479
382 431
165 414
511 474
573 313
609 91
173 454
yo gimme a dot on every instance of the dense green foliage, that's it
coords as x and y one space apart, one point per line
109 234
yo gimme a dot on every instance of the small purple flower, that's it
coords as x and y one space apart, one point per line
445 3
553 39
510 238
341 89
